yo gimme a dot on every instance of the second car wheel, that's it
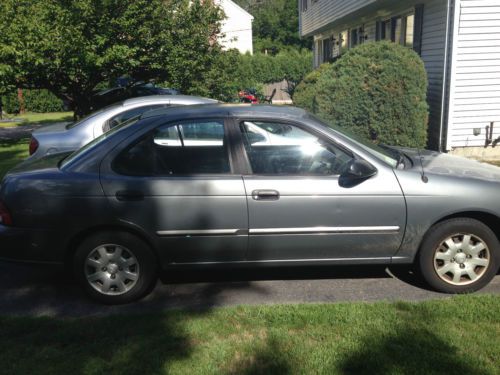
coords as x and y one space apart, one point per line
115 267
459 255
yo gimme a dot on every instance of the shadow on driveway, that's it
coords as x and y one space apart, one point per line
48 291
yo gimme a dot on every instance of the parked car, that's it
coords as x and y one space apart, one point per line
112 95
248 186
62 138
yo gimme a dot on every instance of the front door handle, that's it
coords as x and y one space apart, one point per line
129 195
265 195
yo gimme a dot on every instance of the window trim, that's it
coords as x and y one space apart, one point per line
244 156
229 149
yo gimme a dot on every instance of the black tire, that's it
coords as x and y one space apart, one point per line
145 259
442 231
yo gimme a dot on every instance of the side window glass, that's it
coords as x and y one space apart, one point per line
284 149
130 115
197 147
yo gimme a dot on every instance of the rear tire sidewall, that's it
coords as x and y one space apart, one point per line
142 252
437 234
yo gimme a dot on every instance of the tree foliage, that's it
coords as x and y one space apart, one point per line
275 25
70 47
378 90
288 65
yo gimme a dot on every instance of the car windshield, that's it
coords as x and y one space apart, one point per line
97 141
92 115
387 155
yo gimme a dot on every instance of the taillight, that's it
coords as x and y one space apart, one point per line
33 145
5 218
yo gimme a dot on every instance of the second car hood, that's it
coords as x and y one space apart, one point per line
446 164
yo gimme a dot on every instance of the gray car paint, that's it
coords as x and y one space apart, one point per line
59 138
81 197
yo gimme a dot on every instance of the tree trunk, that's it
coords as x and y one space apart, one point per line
20 98
81 106
1 109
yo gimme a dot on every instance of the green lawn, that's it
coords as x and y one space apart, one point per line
38 118
12 153
460 335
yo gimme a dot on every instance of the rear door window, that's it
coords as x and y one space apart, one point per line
186 148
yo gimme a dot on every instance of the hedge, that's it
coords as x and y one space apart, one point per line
34 101
377 90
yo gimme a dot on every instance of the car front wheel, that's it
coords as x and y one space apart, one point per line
459 256
115 267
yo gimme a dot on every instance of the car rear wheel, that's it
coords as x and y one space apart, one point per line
115 267
459 256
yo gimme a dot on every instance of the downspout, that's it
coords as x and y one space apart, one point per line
446 84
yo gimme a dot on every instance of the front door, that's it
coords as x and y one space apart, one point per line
299 211
178 183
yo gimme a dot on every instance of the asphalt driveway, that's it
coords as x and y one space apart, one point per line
42 291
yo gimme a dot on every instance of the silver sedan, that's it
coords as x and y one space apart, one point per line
64 138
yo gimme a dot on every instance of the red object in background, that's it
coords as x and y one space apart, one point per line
33 145
248 96
5 218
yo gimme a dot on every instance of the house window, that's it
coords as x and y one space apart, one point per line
303 5
409 27
386 30
344 35
327 50
397 30
354 38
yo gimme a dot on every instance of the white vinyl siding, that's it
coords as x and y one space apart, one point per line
475 85
320 13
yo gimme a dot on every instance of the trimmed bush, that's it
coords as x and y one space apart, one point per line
40 101
305 92
377 90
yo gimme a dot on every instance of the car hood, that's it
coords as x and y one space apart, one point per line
451 165
53 128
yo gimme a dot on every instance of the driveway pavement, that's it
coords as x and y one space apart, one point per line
41 291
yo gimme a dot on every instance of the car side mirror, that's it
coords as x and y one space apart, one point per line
356 171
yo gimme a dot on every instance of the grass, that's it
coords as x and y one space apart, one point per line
460 335
38 118
12 153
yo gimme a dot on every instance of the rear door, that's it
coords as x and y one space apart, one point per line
178 182
299 211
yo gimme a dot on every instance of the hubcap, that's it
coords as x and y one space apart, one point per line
461 259
111 269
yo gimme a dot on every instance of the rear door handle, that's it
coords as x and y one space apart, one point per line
129 195
265 195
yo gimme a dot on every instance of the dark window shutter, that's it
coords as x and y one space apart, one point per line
418 27
378 31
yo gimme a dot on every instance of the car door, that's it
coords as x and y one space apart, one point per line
178 183
298 210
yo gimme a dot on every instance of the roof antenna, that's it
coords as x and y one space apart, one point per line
425 179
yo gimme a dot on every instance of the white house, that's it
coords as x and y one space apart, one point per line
459 42
237 27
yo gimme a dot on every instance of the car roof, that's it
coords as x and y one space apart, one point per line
244 110
173 99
